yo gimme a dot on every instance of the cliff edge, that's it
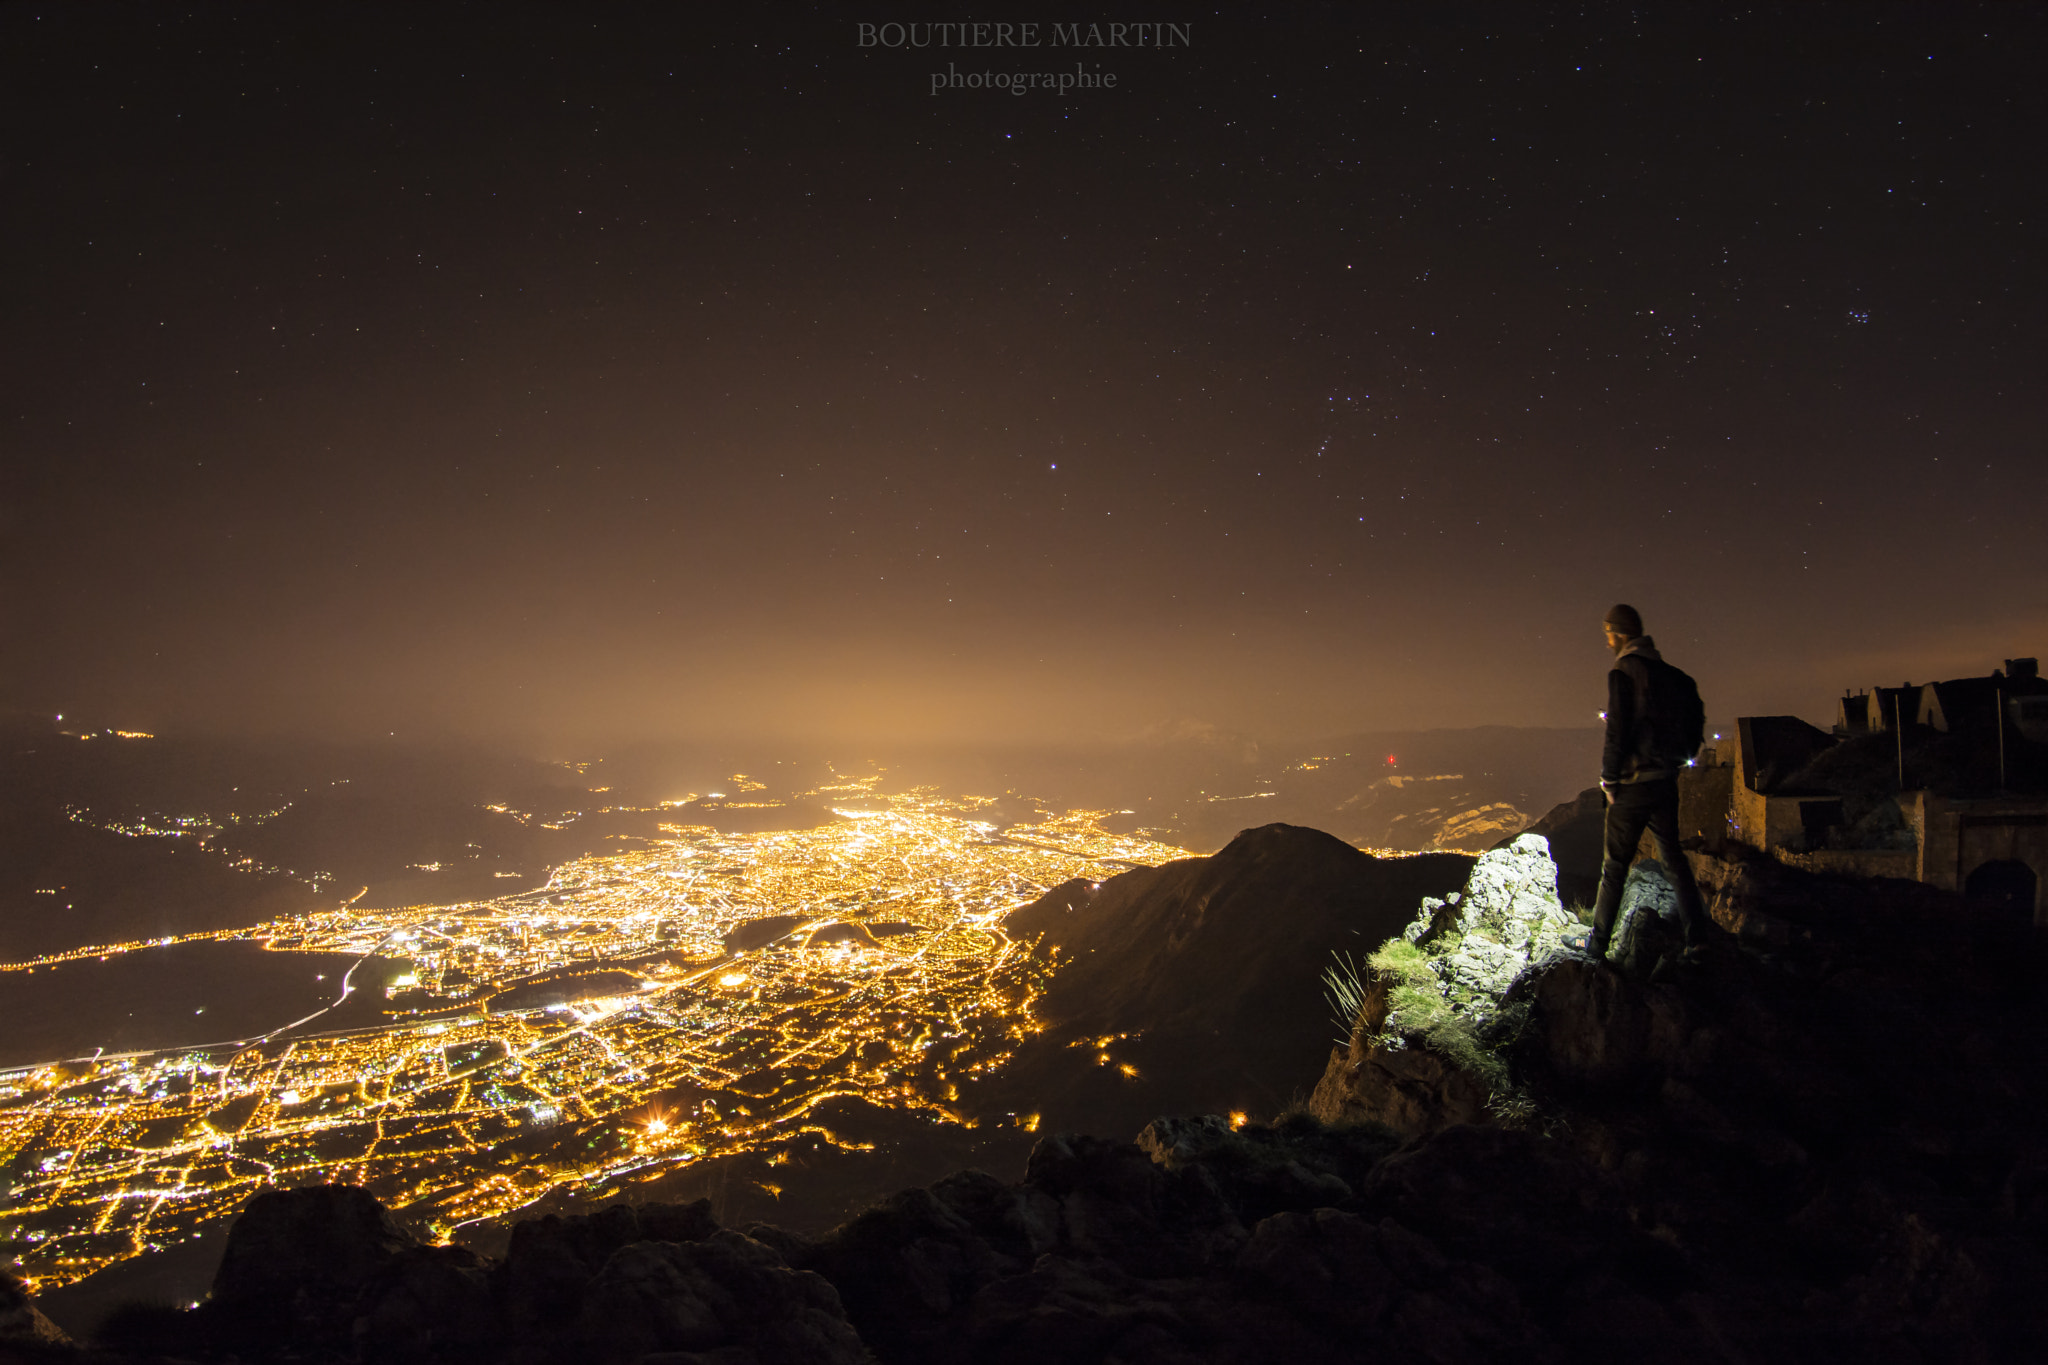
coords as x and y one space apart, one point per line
1821 1139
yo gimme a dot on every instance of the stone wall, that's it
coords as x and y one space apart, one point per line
1902 863
1958 836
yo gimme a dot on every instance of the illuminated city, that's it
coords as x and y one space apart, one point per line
693 998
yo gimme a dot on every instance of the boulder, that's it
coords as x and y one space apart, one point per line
296 1261
1116 1204
423 1302
1481 939
1412 1089
551 1259
1594 1027
1647 928
905 1265
727 1293
1510 898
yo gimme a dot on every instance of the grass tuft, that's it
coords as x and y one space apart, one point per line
1344 989
1418 1007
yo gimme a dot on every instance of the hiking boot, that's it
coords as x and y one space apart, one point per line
1587 943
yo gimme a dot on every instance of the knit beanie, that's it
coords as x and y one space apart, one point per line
1624 619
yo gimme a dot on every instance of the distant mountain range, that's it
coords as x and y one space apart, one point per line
105 838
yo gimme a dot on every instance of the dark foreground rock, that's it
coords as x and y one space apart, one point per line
23 1328
1823 1140
1826 1127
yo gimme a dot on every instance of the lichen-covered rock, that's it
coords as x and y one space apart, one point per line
1417 1060
1481 939
1511 897
1427 1048
1478 968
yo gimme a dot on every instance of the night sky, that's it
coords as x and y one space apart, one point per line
556 377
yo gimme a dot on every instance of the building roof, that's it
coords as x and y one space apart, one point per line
1772 748
1890 703
1968 705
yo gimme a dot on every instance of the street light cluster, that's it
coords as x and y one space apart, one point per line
600 1029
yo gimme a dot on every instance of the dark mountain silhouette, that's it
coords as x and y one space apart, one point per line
1206 973
64 884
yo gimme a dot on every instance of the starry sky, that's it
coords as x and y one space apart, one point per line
552 375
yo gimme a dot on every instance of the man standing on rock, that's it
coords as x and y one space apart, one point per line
1654 720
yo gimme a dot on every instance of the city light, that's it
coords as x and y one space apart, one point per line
619 1020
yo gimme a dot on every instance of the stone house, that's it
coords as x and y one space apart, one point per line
1990 846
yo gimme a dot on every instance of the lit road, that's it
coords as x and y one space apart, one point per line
631 1015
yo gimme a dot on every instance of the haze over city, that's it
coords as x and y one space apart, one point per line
562 379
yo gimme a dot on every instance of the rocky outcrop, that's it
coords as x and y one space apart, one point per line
1444 1003
1418 1058
325 1273
1198 1243
1392 1079
1820 1145
1485 936
297 1260
1576 832
22 1324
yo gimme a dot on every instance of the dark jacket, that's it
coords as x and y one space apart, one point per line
1630 754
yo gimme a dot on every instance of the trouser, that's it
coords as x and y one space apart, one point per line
1633 807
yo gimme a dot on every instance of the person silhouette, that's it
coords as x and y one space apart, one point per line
1653 713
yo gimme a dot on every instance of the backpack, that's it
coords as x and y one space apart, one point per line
1677 717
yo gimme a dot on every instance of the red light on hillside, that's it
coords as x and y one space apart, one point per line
1392 759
